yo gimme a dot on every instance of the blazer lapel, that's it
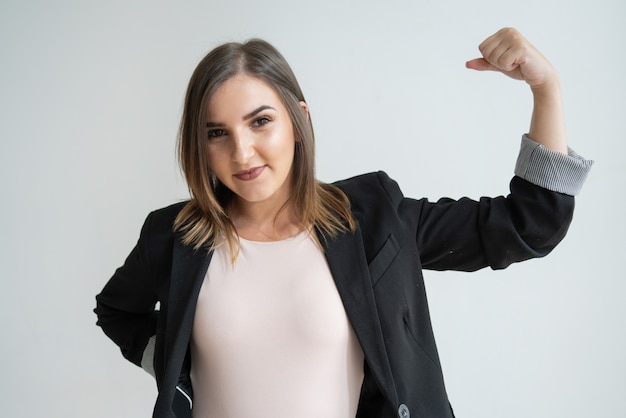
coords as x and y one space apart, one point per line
348 266
189 267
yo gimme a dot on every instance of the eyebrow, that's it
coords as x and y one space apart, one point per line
245 117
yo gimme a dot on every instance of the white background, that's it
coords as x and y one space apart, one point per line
90 97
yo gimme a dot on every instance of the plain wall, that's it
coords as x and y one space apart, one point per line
90 98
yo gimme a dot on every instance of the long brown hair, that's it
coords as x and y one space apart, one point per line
204 219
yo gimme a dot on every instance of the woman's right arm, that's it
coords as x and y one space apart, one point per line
126 306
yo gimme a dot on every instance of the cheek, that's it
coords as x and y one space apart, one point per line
216 157
281 152
284 142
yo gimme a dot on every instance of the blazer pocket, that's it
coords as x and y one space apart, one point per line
383 259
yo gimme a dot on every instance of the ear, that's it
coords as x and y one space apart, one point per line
305 106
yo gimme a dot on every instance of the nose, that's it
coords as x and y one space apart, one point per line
243 148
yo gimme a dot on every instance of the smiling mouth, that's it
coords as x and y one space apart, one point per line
251 174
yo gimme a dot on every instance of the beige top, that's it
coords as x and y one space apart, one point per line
271 338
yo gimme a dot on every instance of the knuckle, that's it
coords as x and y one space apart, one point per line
509 31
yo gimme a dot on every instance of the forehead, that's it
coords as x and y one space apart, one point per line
239 95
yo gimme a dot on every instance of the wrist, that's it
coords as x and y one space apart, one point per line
550 88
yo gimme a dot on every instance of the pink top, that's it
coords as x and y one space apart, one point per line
271 337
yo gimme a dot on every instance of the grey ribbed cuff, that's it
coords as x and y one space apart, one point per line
550 169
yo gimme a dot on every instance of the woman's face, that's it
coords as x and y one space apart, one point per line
251 141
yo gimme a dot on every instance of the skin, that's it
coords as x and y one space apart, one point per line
251 151
508 52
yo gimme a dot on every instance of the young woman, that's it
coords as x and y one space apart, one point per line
278 294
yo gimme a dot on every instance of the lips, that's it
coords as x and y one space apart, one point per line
250 174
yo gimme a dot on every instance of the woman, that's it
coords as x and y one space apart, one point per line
278 294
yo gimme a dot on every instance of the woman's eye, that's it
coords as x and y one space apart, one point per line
214 133
262 121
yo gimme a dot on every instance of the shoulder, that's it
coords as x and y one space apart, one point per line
376 197
170 210
165 216
371 187
157 237
158 227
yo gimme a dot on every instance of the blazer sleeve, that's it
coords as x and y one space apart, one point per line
529 222
468 235
126 306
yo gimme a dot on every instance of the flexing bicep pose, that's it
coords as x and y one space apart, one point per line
279 294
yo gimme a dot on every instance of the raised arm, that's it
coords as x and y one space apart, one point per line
508 52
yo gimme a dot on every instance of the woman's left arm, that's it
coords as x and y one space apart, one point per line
508 52
532 220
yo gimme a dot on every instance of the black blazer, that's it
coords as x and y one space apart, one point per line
378 273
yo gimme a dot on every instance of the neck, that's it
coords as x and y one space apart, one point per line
263 222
